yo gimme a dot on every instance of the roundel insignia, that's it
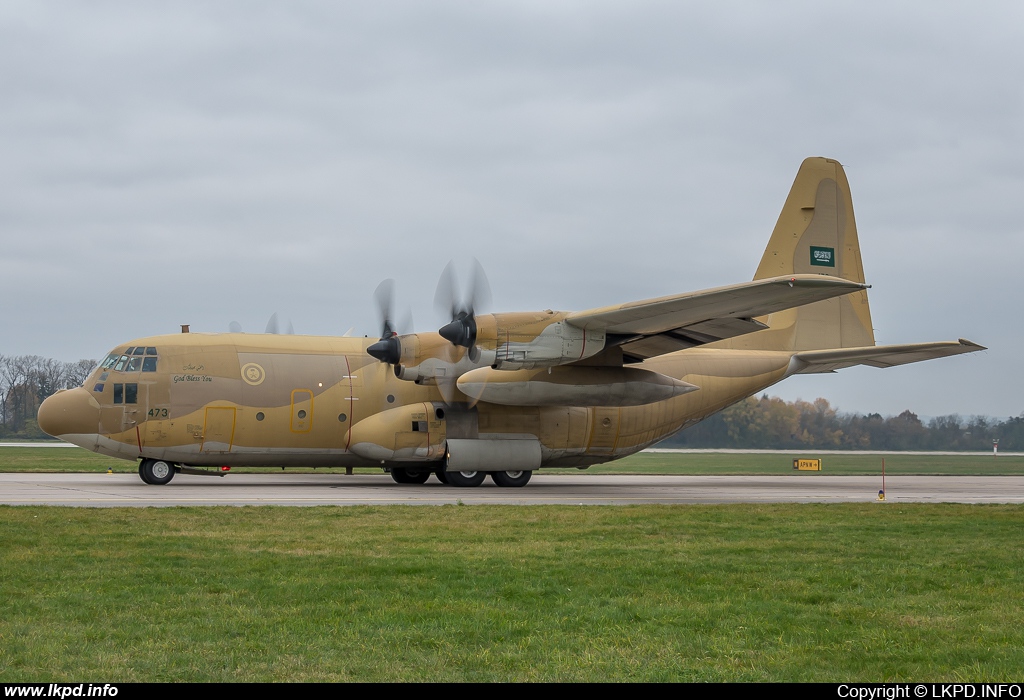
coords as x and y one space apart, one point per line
253 374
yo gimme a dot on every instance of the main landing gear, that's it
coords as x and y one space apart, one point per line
156 471
409 476
511 479
508 479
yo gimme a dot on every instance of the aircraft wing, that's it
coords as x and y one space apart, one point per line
816 361
657 326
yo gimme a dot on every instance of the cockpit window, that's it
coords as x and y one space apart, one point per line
132 360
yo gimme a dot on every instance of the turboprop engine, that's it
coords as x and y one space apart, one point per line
571 386
499 341
530 340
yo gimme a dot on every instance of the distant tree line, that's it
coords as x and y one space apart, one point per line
25 380
771 423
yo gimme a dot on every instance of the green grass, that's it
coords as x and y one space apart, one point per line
860 592
25 459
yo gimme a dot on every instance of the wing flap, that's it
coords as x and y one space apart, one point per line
646 346
818 361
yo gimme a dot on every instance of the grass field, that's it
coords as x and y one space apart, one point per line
13 459
866 592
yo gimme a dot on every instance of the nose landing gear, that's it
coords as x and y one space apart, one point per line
156 471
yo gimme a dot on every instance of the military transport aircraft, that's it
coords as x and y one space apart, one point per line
497 394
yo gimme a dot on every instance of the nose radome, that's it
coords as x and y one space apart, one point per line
69 412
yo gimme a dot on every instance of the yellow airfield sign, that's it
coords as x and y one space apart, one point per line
807 465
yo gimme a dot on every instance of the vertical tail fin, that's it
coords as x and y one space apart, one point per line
816 233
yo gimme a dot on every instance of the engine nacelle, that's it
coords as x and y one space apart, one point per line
540 339
426 358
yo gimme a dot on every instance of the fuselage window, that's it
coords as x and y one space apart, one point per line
151 351
119 393
98 388
129 351
131 393
110 360
134 364
121 362
139 351
149 364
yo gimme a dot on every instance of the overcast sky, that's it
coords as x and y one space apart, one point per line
203 163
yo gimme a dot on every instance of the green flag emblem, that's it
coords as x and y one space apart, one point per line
823 256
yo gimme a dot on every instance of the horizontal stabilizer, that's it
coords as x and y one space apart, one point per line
818 361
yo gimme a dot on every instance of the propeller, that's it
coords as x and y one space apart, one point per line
274 327
462 308
389 348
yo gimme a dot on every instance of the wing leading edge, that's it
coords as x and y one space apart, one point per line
658 326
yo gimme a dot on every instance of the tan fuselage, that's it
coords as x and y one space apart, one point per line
267 400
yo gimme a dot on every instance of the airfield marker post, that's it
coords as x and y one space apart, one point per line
881 494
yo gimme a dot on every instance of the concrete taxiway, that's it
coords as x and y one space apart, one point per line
109 490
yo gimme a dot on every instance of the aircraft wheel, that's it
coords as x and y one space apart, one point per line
441 475
156 471
409 476
465 478
511 479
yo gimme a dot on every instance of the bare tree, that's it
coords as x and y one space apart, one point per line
75 373
48 376
6 383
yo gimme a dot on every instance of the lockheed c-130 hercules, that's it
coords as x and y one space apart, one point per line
498 394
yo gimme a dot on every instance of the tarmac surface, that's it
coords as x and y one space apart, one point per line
110 490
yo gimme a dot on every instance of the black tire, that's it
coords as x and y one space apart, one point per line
441 475
511 479
465 479
401 475
156 471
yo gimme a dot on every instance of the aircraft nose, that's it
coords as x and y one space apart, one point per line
69 412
